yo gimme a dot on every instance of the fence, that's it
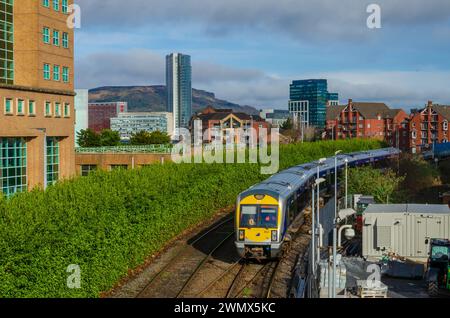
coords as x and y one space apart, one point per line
157 149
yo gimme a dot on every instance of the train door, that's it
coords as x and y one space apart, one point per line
420 235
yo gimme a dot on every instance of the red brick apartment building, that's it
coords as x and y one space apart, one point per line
227 120
100 114
368 120
428 126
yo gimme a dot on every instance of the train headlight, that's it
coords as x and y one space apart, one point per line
241 235
274 236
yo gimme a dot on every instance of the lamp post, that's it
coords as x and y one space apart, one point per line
335 223
346 183
314 232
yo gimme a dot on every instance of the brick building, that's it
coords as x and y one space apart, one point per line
226 120
36 94
428 126
100 114
367 120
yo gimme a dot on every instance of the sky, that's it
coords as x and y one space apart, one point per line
248 51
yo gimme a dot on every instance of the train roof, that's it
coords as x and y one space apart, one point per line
285 182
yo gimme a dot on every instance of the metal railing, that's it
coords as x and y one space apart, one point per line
157 149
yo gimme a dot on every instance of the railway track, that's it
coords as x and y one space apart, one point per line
175 276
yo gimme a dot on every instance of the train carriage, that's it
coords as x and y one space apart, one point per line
265 212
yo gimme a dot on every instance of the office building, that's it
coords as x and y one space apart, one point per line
81 111
128 124
179 89
100 114
37 94
367 120
429 126
311 97
275 117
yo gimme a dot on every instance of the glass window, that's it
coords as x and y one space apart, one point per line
65 40
31 107
56 5
86 169
65 74
119 167
6 42
440 252
46 35
52 160
47 71
48 109
55 37
8 106
46 3
249 215
20 107
57 110
64 6
13 165
56 73
66 110
268 218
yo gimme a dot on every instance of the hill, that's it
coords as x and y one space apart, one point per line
153 98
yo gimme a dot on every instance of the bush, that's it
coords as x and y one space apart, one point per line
110 222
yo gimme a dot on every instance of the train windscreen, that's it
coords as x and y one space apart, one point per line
259 216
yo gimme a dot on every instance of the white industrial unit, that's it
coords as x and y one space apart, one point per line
403 229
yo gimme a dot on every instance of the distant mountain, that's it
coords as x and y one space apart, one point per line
153 98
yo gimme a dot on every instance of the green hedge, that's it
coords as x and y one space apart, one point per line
110 222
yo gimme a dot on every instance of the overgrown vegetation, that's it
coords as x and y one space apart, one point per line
110 222
106 138
150 138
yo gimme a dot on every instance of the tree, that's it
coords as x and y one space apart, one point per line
384 186
288 124
88 138
419 174
109 138
147 138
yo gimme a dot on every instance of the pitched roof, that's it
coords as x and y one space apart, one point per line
334 111
371 110
443 110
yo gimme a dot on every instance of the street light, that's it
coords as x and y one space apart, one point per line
346 182
313 235
335 222
321 162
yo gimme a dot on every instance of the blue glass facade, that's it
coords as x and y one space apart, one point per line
315 91
179 88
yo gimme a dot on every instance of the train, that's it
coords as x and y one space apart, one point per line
266 210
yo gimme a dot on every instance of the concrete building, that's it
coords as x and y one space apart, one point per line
37 94
275 117
367 120
81 111
428 126
403 229
131 123
100 114
179 89
315 92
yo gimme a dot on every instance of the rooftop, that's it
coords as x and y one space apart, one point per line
409 208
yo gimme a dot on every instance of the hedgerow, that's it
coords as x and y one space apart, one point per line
110 222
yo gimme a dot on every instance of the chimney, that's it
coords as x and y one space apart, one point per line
430 103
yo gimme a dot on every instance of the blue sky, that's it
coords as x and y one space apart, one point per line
248 51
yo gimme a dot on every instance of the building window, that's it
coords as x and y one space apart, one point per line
20 107
86 169
57 110
445 125
31 108
13 165
46 3
6 42
65 74
55 38
48 109
47 71
52 160
119 167
8 106
414 135
65 40
66 110
56 73
56 5
64 6
46 35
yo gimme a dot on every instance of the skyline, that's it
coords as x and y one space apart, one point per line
405 63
